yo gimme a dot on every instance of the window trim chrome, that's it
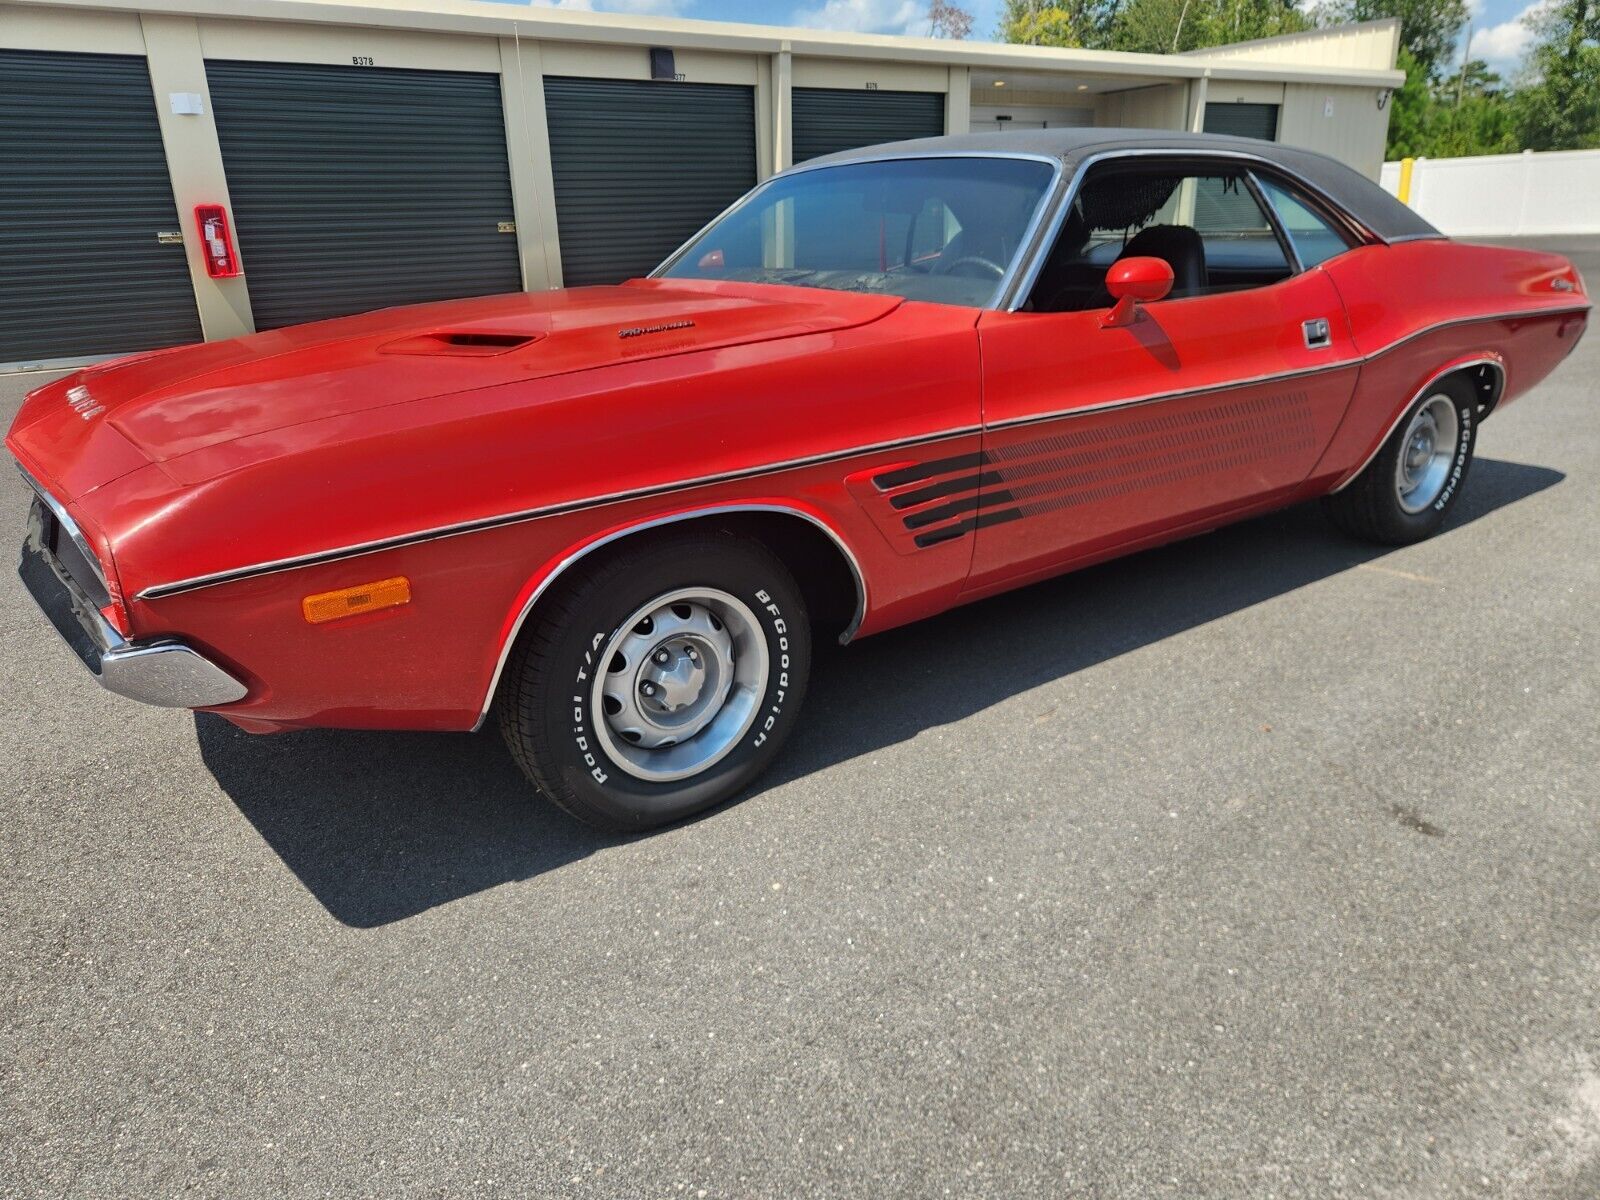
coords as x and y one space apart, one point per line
1013 300
1297 265
1025 247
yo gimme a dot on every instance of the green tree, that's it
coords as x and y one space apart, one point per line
1428 28
1410 109
1148 26
1221 21
1470 114
1458 115
1159 26
1559 109
1074 23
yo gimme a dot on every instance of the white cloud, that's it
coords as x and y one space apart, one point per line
1502 46
866 16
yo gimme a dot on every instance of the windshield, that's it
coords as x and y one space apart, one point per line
939 229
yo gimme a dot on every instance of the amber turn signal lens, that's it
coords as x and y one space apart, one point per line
347 602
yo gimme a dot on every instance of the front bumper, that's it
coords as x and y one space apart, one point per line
159 671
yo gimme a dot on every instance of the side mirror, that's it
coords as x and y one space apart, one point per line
1131 280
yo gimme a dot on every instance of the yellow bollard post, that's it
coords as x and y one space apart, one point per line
1405 179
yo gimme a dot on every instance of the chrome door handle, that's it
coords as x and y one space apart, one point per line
1319 334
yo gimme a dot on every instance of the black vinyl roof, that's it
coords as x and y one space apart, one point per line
1352 191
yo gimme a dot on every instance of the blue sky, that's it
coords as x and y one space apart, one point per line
1497 32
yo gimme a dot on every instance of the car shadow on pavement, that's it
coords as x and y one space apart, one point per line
382 826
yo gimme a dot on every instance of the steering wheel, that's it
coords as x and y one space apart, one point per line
989 266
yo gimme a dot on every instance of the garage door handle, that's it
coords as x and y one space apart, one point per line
506 227
170 238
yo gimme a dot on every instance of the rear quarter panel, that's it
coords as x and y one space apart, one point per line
1418 308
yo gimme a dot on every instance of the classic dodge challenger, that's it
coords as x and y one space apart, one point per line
882 384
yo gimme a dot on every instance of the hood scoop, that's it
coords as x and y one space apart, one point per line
460 343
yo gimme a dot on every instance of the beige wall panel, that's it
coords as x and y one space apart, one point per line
766 131
1161 107
782 110
1342 122
856 74
528 152
70 31
194 163
1024 115
340 45
633 62
1371 46
993 97
958 102
1243 91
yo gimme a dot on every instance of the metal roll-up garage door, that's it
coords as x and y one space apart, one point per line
84 191
356 188
639 167
827 120
1243 120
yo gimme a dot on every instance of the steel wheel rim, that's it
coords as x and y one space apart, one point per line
679 683
1427 453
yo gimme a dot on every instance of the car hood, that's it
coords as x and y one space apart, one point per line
108 420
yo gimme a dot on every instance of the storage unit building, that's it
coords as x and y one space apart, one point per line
415 150
827 120
84 202
358 188
639 165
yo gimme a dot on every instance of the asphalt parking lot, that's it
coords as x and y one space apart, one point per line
1262 865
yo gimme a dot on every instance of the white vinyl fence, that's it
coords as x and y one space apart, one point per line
1505 194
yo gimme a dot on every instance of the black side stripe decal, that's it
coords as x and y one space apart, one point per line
1087 466
943 512
947 487
890 480
948 532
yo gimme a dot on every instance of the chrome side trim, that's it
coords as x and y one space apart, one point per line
1467 365
157 591
1521 314
677 518
1359 360
1158 397
1024 248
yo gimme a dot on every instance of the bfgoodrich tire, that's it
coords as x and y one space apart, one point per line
660 681
1406 492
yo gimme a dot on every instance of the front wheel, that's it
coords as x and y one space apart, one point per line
1405 493
659 682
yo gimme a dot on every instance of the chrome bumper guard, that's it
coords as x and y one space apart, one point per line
160 671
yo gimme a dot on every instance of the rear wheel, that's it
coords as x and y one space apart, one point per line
659 682
1406 492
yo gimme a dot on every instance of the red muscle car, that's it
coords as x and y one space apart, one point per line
882 384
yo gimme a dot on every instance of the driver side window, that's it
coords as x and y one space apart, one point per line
1205 223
